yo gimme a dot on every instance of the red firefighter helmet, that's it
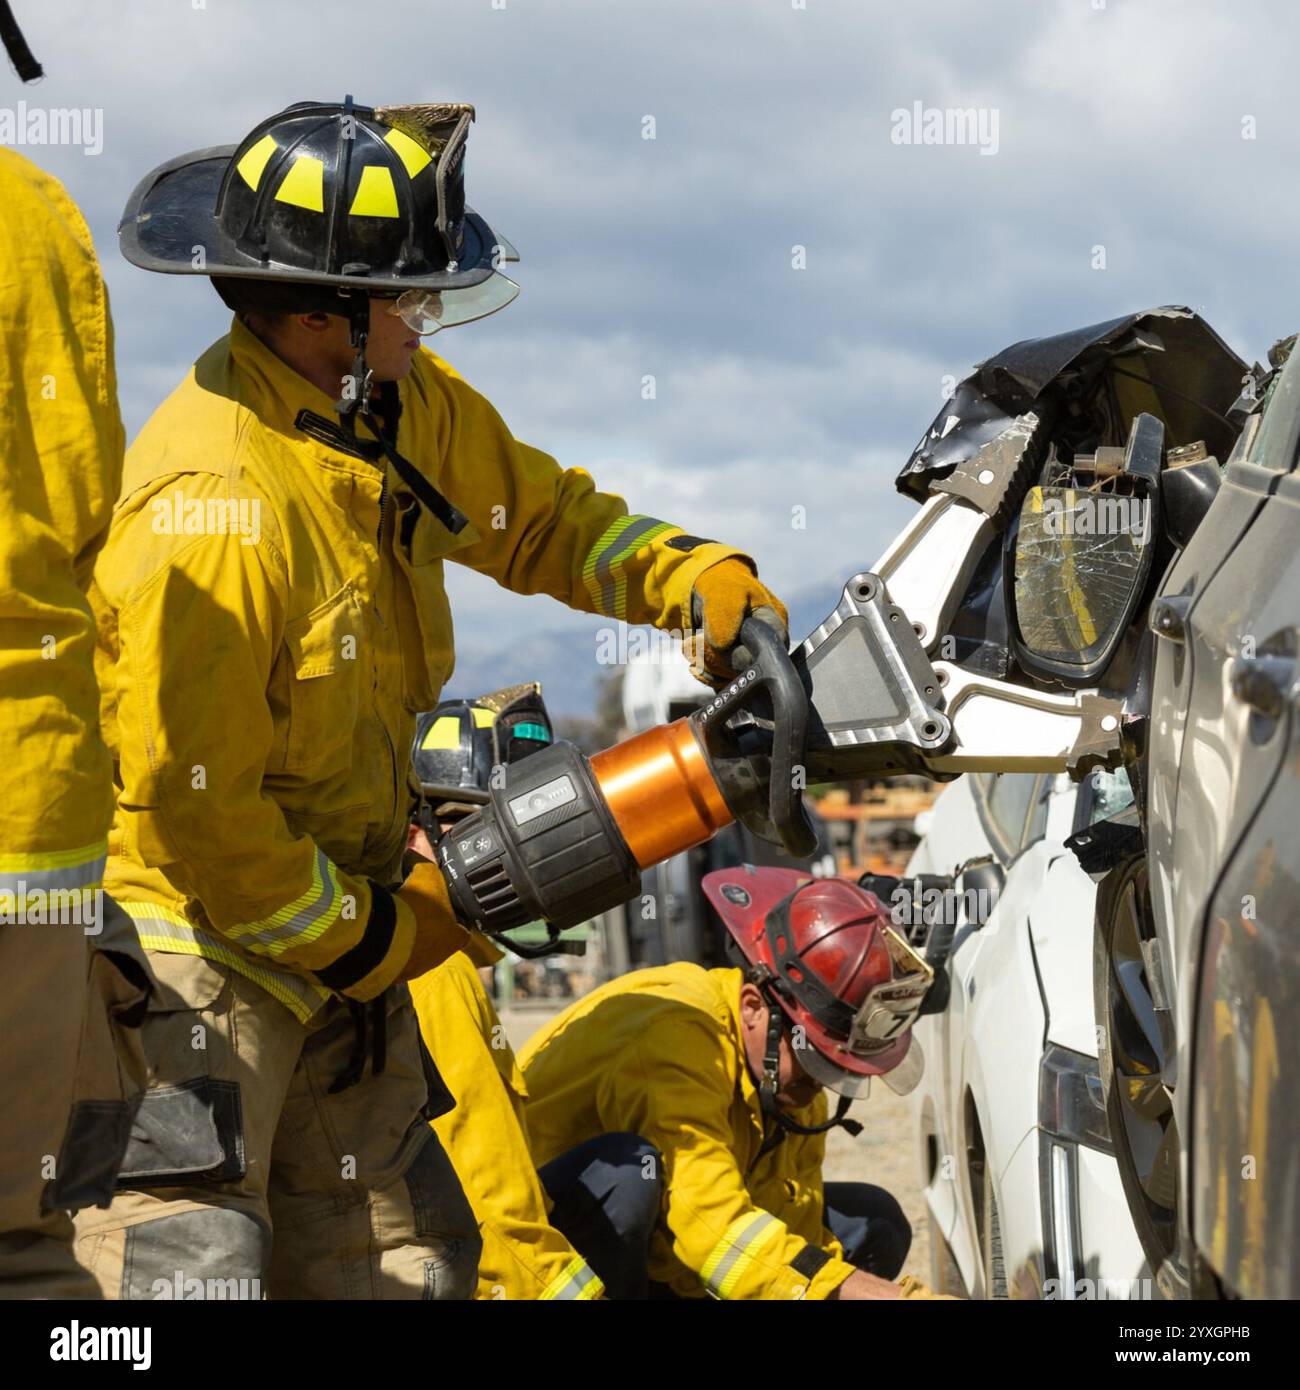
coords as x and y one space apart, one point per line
824 949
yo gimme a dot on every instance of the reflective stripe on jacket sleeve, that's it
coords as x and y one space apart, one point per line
678 1093
577 1281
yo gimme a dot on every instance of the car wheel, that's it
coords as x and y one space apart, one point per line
1135 1045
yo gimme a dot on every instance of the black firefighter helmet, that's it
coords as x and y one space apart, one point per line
458 744
323 205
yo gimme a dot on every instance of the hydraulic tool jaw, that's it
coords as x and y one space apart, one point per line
857 697
875 701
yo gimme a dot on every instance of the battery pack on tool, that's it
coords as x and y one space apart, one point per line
546 848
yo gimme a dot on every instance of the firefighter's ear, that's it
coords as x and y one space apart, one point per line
753 1007
753 1026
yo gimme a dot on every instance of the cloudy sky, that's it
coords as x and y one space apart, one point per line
1161 131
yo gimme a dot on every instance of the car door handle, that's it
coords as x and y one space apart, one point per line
1265 683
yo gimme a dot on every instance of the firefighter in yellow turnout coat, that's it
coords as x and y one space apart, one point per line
722 1071
71 976
272 615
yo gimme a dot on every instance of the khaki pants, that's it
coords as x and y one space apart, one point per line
70 1072
246 1177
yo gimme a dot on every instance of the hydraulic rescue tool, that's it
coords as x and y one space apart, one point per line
567 836
979 641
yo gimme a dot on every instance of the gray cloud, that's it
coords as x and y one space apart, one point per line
776 388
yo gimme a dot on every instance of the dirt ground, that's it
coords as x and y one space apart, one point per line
884 1153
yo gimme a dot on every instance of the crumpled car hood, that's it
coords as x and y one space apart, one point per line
1091 382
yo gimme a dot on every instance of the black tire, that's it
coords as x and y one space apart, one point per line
1134 1043
995 1272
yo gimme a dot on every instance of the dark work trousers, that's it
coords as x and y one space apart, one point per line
870 1225
606 1195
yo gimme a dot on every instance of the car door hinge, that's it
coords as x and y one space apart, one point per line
1168 617
1265 683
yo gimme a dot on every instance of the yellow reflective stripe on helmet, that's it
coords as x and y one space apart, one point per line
304 184
164 929
734 1253
300 922
254 161
577 1281
375 196
410 152
602 571
444 732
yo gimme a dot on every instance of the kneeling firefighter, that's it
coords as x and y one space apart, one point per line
272 617
722 1071
596 1201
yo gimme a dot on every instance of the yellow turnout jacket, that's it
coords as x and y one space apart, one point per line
658 1053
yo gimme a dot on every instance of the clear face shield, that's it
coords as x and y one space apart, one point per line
879 1024
425 312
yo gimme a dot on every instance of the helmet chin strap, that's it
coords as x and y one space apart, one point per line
361 378
783 1124
352 407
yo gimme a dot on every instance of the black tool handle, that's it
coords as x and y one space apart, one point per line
776 672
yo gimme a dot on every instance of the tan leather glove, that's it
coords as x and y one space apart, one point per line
911 1287
724 595
438 935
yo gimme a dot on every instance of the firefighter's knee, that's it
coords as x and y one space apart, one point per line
211 1253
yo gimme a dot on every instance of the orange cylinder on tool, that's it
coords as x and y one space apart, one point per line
661 791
